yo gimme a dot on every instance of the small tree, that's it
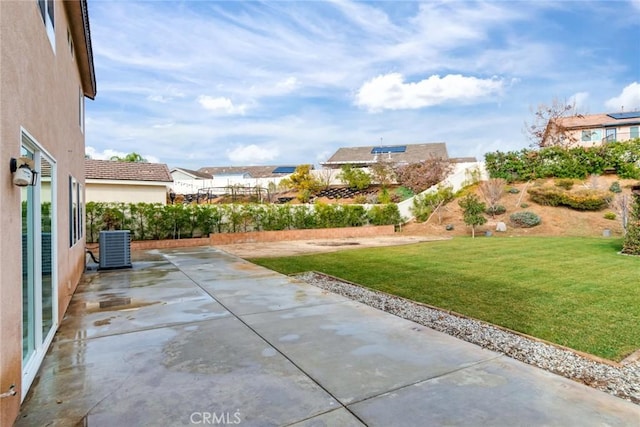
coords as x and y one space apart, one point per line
631 244
492 191
325 176
355 178
472 212
622 204
303 182
382 172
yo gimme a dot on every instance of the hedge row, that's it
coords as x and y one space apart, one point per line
577 162
582 200
153 221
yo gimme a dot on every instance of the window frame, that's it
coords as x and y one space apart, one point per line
47 12
76 211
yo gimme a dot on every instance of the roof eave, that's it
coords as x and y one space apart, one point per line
78 15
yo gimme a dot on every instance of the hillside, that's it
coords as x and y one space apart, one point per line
556 221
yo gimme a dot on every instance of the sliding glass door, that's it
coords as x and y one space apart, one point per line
39 293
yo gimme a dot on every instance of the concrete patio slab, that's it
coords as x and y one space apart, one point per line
141 301
500 392
173 376
202 337
356 351
267 293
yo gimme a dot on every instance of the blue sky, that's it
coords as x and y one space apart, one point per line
212 83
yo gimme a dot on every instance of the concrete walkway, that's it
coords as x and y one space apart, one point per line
199 337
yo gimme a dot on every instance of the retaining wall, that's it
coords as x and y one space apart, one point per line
259 236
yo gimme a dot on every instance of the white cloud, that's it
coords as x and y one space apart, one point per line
287 85
628 100
391 92
580 102
251 154
221 105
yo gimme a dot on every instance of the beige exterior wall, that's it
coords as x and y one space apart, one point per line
623 133
39 92
117 191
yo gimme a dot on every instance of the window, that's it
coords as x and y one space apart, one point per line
634 132
592 135
76 211
47 11
611 134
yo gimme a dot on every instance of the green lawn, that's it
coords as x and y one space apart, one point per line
577 292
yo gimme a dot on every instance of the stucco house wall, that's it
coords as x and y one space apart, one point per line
129 192
42 89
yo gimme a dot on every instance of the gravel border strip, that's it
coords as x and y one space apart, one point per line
622 381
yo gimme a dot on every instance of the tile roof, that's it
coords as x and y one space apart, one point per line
363 155
126 171
252 171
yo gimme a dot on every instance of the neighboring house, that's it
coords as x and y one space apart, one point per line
222 177
396 154
593 129
181 174
126 182
248 172
47 71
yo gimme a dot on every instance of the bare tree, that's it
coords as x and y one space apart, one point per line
623 205
547 128
492 191
422 175
325 176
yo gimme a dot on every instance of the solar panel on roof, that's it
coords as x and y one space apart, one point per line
284 169
626 115
389 149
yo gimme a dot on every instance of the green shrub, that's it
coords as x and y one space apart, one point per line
559 162
615 187
424 204
524 205
582 200
525 219
388 214
384 197
587 200
355 178
546 196
513 190
609 215
496 210
566 183
404 193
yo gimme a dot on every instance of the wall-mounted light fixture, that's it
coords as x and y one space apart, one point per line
23 171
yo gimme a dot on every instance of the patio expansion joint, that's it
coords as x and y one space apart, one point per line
145 329
311 378
426 380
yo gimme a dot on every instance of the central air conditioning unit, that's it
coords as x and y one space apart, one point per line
115 249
